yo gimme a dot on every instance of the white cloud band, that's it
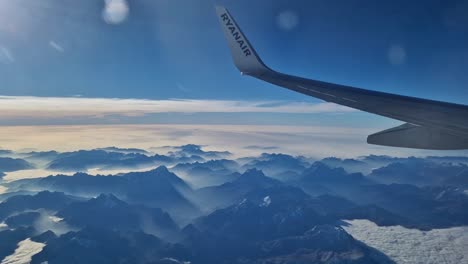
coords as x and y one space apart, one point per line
62 107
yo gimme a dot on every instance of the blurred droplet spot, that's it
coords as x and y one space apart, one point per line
396 55
287 20
115 11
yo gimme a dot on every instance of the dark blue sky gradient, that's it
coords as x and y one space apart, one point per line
175 49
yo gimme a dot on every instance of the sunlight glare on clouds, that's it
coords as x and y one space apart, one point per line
14 18
115 11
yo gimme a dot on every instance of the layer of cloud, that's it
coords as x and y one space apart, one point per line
314 141
413 246
63 107
242 140
24 253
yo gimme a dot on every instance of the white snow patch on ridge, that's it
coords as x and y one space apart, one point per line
55 219
266 201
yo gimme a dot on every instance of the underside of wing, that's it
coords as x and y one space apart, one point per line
412 136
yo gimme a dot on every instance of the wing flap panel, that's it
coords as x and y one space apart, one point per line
419 137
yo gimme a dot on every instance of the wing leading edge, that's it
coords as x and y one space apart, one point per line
447 123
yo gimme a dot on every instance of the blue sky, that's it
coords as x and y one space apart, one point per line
174 49
54 51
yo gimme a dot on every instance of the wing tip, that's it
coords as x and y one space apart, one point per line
244 55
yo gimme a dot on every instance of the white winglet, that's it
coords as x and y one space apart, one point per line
243 54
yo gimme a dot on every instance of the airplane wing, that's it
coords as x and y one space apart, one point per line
429 124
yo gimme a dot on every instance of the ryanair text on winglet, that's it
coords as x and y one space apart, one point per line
236 34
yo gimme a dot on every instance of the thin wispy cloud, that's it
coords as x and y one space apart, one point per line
29 106
6 56
56 46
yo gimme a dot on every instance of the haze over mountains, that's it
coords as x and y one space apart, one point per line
188 205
